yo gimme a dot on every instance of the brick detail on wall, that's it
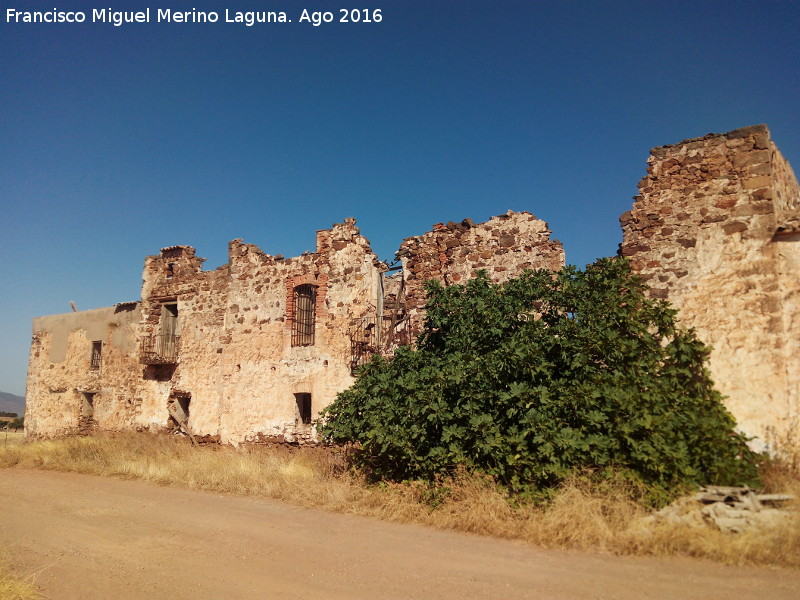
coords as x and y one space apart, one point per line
320 282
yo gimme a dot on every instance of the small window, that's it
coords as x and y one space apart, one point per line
305 299
170 270
97 355
303 408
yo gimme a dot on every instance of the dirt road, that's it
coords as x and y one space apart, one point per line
96 538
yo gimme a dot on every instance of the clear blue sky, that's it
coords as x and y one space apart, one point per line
117 141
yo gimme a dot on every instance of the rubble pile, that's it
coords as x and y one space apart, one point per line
728 509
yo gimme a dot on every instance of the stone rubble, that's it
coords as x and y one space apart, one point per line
727 509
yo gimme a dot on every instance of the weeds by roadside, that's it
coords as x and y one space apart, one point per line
11 438
16 587
580 515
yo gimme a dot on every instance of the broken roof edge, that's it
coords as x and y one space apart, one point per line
729 135
176 247
87 312
126 304
469 223
325 240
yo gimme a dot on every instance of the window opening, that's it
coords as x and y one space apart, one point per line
161 348
97 355
303 414
305 299
170 270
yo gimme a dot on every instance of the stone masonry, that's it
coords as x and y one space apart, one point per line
252 351
504 246
715 230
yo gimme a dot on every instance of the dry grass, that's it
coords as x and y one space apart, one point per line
580 516
9 438
16 587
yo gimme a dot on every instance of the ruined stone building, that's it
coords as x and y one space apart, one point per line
253 350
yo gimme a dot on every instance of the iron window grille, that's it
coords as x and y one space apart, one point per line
97 355
305 300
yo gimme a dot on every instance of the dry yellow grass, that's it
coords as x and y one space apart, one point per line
580 516
16 587
8 438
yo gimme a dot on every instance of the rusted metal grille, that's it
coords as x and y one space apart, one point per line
305 299
159 349
377 335
97 355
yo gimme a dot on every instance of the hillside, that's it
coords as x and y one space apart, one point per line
12 403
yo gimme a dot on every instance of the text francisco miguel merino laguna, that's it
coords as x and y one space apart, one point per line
162 15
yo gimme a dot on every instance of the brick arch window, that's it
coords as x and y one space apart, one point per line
305 305
305 301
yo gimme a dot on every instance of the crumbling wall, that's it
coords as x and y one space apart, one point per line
504 246
787 240
237 365
715 229
61 373
784 189
702 233
263 370
175 277
214 353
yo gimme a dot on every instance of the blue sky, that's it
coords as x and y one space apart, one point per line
117 141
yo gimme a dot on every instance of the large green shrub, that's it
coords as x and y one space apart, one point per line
545 374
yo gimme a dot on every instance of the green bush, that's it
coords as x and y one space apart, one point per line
541 376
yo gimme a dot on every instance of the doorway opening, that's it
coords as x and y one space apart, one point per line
303 412
86 422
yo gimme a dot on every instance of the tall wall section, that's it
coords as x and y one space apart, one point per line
504 246
238 363
175 277
714 230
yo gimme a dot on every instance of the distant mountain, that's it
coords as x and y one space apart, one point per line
12 403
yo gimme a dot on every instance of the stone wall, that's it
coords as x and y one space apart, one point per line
714 231
219 344
61 372
504 246
237 362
